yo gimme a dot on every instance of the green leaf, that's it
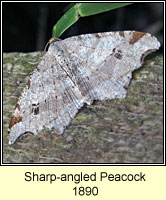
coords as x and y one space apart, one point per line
86 9
82 10
69 18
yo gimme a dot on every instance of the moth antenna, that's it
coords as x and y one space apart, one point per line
49 43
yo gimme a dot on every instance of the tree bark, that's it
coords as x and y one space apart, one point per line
126 130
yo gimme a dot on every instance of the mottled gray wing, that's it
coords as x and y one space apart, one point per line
101 64
50 100
75 71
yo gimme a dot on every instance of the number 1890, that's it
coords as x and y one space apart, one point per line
81 191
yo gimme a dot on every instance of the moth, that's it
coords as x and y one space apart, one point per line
77 71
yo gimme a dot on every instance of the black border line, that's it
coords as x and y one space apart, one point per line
86 164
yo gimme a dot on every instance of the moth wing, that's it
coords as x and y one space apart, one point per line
50 100
102 63
75 71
